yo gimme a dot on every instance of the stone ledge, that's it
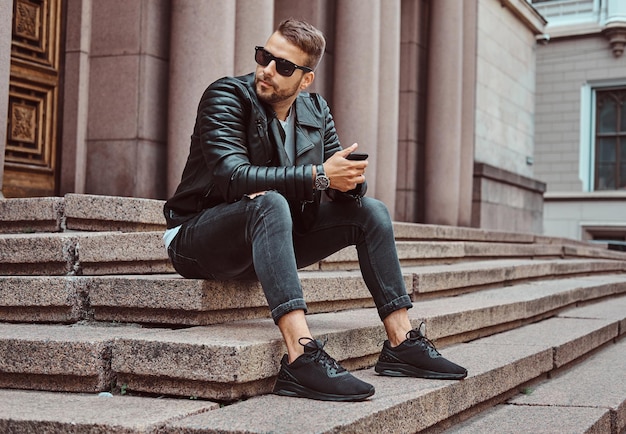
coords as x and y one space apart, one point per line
59 358
112 213
471 275
31 215
171 299
83 253
39 412
589 397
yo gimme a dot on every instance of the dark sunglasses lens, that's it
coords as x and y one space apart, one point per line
285 67
262 57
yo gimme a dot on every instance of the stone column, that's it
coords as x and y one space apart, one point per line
356 78
468 118
443 117
6 14
254 25
388 100
76 97
202 47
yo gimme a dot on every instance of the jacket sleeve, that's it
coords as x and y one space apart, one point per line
238 155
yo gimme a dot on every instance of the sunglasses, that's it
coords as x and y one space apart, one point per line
283 67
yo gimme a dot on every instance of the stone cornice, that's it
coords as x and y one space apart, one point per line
527 14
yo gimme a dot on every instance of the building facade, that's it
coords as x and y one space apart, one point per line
100 96
581 118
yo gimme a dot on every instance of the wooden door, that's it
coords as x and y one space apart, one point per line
31 159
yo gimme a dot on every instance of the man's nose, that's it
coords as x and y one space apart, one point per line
270 69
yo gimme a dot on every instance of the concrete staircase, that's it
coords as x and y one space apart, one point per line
98 334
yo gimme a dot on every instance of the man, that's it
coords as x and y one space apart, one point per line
249 206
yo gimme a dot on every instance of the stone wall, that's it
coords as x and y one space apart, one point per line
505 90
506 201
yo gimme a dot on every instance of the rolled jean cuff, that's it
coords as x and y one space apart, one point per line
290 306
401 302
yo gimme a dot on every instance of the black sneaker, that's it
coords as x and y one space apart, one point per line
316 375
417 357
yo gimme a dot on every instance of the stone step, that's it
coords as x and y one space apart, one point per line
170 299
48 412
81 212
239 359
498 366
589 397
102 253
83 253
579 394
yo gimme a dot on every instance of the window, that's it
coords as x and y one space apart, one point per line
610 139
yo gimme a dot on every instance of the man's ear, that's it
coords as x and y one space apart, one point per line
307 80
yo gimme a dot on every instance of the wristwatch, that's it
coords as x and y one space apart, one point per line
322 182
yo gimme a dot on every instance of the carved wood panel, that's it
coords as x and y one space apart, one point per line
32 130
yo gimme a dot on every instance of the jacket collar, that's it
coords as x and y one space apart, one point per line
307 123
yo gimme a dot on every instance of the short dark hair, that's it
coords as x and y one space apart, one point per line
306 37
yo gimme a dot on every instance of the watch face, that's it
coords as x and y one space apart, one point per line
322 182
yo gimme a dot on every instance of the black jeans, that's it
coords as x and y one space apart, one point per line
254 238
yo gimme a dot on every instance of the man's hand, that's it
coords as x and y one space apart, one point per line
345 174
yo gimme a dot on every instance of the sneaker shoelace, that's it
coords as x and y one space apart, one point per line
416 336
317 353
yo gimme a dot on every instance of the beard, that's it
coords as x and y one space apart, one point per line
274 94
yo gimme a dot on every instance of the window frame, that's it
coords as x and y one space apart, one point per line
588 116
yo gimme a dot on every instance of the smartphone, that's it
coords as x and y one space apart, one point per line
357 156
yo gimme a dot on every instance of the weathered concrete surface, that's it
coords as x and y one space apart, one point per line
613 308
43 298
112 213
230 361
434 278
499 250
492 307
570 338
46 412
174 300
593 252
192 361
431 252
83 253
400 405
353 336
37 254
123 253
406 405
170 299
26 215
415 231
541 420
589 397
598 382
409 253
62 358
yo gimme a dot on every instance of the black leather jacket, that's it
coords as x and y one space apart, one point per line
234 152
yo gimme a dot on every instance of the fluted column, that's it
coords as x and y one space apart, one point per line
443 117
356 78
254 25
388 100
202 47
6 14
